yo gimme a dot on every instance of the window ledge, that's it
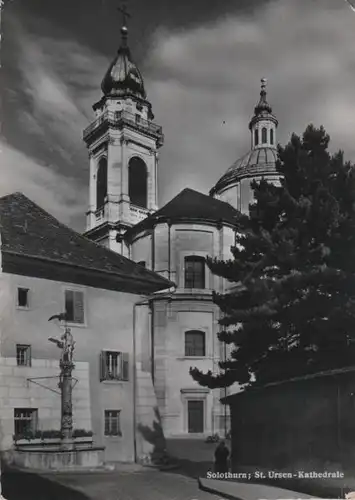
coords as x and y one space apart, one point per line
76 325
199 291
195 357
115 382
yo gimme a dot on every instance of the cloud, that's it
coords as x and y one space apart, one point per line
60 81
203 83
39 182
43 154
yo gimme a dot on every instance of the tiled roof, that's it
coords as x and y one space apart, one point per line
189 204
29 231
257 162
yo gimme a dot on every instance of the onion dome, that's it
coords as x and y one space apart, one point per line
123 75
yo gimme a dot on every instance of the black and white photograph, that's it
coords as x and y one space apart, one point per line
177 249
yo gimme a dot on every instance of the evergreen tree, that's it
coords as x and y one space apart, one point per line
293 311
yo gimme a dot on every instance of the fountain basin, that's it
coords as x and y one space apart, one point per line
56 457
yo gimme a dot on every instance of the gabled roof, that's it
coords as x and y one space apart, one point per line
189 205
31 233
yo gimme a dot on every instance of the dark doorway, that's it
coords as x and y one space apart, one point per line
195 411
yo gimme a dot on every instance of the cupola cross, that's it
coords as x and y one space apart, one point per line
125 14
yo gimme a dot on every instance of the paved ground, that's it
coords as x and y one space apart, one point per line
195 456
132 482
196 450
146 484
250 491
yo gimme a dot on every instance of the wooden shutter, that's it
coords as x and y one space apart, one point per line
78 307
69 305
125 365
103 366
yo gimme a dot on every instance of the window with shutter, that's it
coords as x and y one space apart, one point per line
114 365
74 306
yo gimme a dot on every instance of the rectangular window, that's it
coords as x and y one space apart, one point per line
114 365
194 272
112 423
22 297
26 421
195 343
23 355
74 306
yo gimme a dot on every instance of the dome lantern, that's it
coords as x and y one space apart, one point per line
263 124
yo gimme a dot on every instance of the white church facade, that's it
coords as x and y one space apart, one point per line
136 285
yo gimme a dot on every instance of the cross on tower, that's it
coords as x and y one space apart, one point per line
124 13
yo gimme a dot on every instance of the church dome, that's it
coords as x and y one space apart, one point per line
258 162
123 75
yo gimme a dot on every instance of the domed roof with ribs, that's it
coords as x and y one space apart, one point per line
257 162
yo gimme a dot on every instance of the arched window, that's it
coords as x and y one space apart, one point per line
271 136
101 183
137 182
194 272
256 137
195 344
264 135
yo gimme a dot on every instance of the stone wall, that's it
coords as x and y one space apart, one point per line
36 387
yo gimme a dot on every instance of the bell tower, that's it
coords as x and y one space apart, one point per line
123 143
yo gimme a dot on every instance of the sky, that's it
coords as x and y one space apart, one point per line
202 61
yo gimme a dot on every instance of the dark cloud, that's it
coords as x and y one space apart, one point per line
202 76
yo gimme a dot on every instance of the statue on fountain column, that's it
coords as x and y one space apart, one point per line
67 344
